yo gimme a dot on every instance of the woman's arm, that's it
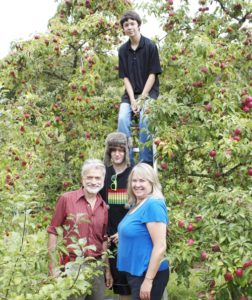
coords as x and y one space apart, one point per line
157 232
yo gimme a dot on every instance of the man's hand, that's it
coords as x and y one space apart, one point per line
52 270
108 278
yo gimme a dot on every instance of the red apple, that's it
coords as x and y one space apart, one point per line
218 174
197 84
250 171
190 227
46 218
84 88
65 184
90 60
236 138
212 153
88 5
27 116
204 70
81 155
181 223
216 248
212 54
48 124
163 166
247 264
198 218
212 283
74 87
157 141
24 163
208 107
222 65
204 256
246 108
237 131
190 242
228 276
239 272
57 119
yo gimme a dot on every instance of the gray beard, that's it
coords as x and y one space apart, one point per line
91 190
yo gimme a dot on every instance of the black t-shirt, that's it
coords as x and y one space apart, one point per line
138 64
116 199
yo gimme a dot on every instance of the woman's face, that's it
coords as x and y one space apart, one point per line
140 187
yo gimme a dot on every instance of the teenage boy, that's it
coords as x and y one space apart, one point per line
114 192
139 67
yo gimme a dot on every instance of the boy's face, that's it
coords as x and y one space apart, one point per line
117 155
131 28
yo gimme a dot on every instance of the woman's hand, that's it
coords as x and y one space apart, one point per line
145 290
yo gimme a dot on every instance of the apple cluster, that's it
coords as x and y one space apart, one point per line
246 104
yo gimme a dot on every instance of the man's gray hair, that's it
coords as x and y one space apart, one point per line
93 163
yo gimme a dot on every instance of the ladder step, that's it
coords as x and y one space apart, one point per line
135 150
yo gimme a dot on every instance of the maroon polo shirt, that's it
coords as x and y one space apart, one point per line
74 214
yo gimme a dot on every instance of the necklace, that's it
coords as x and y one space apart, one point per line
137 205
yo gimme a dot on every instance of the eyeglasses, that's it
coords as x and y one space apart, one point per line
113 185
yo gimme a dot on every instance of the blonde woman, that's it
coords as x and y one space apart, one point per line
142 236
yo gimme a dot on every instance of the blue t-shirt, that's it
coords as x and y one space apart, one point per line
135 244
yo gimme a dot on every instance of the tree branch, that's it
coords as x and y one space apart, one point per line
55 75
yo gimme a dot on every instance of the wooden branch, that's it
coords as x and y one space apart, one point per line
55 75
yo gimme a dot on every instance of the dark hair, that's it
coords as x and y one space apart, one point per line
130 15
113 148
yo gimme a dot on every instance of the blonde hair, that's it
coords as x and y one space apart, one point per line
146 172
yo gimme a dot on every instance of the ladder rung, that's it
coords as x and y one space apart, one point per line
136 149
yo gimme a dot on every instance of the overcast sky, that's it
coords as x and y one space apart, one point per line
21 19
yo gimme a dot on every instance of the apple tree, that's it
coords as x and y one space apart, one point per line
58 100
203 132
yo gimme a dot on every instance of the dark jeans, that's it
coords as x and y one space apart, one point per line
159 284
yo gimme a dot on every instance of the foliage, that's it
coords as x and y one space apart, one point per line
203 136
59 98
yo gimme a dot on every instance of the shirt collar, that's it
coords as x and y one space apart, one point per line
80 195
141 44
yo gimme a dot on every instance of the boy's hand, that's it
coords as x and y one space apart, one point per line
135 107
114 238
